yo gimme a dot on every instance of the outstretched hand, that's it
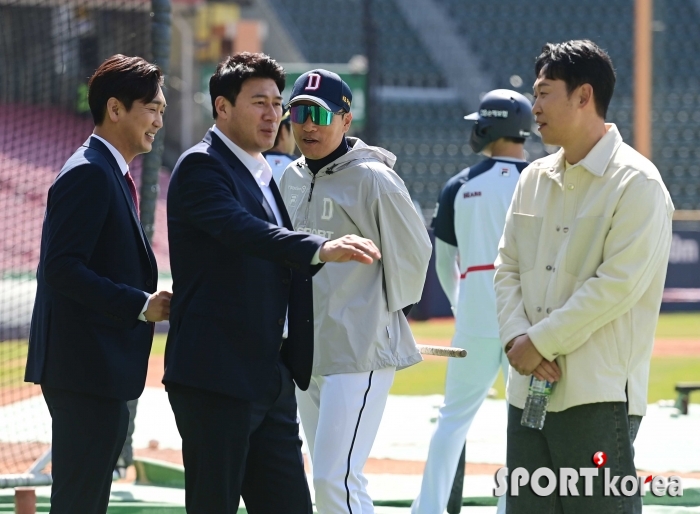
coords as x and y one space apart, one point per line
349 248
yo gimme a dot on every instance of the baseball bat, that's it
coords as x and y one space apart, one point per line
442 351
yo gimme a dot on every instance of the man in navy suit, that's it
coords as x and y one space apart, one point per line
241 327
92 325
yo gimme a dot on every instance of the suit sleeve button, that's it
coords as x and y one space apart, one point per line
280 322
285 281
149 282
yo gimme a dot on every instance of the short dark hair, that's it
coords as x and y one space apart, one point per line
579 62
232 72
125 78
517 140
284 123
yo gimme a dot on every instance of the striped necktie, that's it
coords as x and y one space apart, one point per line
132 189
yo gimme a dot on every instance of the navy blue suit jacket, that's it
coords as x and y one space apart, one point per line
94 267
234 274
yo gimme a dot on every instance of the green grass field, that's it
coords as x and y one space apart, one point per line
671 326
13 356
429 376
684 325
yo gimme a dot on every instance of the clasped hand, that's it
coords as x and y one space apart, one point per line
158 306
527 360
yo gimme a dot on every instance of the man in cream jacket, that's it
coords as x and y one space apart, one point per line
579 280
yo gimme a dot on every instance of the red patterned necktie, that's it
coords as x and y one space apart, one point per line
132 189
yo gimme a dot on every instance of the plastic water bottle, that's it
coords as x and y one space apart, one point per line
536 403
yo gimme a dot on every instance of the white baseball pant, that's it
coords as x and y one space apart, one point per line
467 384
340 415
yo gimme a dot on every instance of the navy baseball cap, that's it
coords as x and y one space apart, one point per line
323 88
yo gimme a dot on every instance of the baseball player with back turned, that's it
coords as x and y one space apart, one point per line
468 224
343 186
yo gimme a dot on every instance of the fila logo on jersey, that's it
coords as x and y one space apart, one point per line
471 194
314 82
505 172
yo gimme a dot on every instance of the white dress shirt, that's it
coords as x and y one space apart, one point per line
124 168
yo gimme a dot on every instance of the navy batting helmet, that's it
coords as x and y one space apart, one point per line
502 113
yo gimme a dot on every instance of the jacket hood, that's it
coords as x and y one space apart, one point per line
359 152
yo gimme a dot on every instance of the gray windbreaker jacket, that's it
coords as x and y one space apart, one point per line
358 322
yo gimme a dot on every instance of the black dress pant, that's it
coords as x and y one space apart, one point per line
87 435
233 448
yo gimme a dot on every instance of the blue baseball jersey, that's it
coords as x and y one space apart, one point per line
470 215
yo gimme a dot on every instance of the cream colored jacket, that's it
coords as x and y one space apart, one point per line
581 270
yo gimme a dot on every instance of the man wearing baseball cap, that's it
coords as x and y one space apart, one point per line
342 186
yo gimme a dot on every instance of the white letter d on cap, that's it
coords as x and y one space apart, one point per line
314 82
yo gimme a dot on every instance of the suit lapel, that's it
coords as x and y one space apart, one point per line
97 145
240 173
286 221
268 210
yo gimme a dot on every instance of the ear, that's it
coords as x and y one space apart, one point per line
347 119
114 107
585 96
223 107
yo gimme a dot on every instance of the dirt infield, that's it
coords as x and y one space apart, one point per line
10 395
662 348
156 369
676 348
16 458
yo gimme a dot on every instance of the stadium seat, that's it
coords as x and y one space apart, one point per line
506 47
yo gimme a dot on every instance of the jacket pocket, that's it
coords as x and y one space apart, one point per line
527 237
585 249
612 344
